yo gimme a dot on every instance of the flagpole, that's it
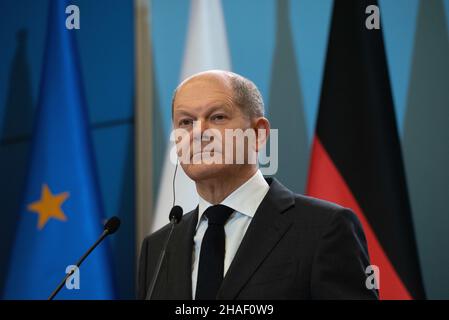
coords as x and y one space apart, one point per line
143 119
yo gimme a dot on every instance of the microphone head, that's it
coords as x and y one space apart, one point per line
175 214
112 225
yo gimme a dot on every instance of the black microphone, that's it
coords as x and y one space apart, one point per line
175 217
175 214
110 227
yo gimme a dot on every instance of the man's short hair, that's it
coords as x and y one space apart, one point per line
246 95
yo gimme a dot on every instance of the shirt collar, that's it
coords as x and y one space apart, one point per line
245 199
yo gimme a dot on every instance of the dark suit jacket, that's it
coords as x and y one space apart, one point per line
296 247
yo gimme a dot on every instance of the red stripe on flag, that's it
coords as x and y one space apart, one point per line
325 182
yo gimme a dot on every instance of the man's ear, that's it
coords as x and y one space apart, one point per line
262 129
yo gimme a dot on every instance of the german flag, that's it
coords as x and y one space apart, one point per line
356 155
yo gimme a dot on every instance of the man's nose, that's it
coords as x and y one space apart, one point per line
200 127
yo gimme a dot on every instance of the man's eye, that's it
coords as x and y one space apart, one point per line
218 117
185 122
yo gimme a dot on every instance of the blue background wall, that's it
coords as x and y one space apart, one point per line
416 39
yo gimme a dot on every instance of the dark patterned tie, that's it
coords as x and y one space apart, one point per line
211 266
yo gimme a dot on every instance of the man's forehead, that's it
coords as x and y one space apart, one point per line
203 91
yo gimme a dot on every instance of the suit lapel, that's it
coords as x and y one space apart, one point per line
180 258
266 229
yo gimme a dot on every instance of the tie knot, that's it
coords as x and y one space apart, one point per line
218 214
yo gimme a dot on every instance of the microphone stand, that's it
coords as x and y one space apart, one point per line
61 284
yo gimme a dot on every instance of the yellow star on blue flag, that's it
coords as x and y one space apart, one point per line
49 206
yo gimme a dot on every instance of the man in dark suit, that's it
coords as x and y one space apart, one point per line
249 237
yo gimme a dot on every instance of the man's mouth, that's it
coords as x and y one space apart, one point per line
211 153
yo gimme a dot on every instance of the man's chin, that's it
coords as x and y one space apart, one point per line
198 172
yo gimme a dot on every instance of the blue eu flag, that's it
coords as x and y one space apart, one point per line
61 213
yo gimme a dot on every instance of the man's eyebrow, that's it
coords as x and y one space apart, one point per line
216 107
181 110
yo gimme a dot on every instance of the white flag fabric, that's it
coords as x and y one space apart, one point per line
206 49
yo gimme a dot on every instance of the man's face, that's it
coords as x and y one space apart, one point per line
204 108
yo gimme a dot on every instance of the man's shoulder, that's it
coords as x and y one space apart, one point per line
322 207
307 210
319 212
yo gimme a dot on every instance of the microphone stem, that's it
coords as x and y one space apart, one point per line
80 261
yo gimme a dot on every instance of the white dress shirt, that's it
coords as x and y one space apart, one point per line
244 200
